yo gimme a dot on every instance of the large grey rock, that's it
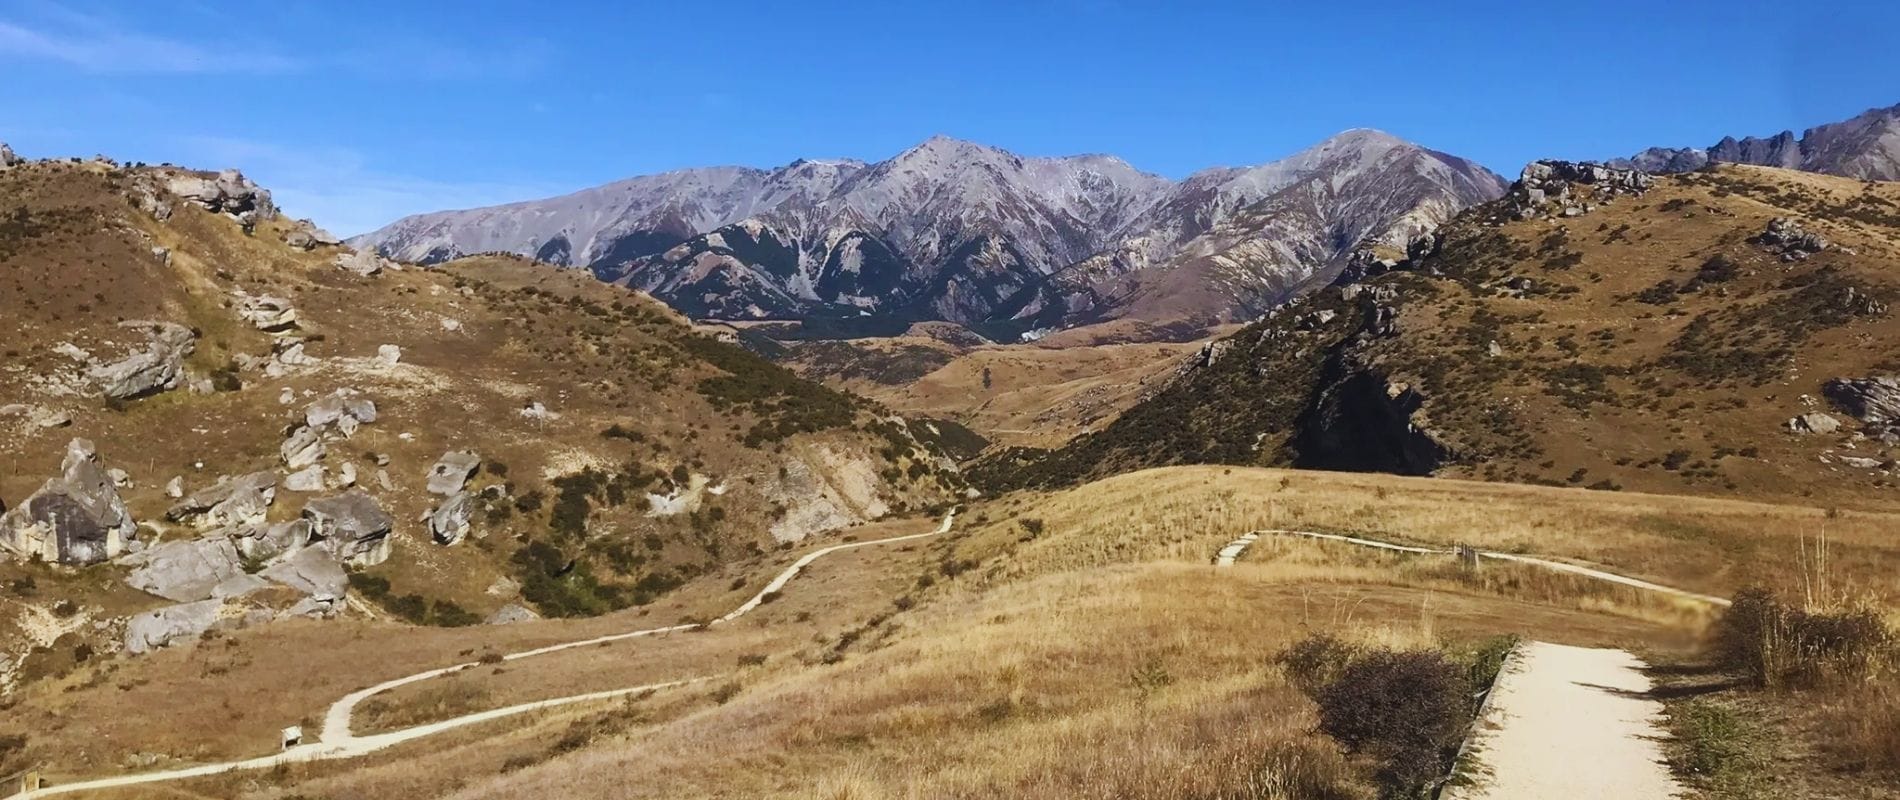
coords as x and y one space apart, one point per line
313 572
243 500
343 408
1873 400
8 158
448 523
77 518
364 262
303 447
160 627
308 479
1814 422
229 193
1794 242
510 614
351 526
451 472
155 368
266 542
266 312
184 571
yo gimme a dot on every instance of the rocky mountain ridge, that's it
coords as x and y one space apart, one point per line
963 232
1866 146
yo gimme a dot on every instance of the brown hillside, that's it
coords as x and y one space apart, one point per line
1653 341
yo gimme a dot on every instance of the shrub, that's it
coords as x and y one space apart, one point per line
1316 661
1775 644
1405 709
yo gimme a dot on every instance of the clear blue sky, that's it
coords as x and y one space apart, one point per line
357 112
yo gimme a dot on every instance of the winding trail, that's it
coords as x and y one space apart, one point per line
338 741
1233 550
1569 722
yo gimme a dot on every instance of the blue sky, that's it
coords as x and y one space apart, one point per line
355 113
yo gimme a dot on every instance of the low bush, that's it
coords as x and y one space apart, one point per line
1777 644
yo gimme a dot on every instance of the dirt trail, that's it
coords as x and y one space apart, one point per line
1565 723
1233 550
338 741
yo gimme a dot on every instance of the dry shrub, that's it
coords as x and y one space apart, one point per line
1404 710
1865 726
1317 661
1777 644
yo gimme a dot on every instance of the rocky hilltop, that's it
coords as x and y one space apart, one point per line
1866 147
957 231
1728 331
214 416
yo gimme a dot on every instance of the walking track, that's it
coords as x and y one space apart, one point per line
337 741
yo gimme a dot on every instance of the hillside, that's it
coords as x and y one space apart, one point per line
1723 332
958 231
245 421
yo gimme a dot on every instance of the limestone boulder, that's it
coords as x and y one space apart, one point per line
313 572
448 523
350 526
451 472
273 540
510 614
243 500
156 367
76 518
163 626
185 571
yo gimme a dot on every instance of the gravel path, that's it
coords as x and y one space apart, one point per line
1568 723
338 741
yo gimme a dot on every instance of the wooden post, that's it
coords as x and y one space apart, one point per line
1468 557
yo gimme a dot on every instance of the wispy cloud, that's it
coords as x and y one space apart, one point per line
95 45
340 190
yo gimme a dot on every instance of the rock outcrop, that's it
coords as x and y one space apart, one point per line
452 471
265 542
77 518
350 526
266 313
229 193
243 500
160 627
8 158
448 523
1875 401
344 408
365 262
307 236
185 571
1814 422
313 573
1568 188
510 614
1784 235
156 368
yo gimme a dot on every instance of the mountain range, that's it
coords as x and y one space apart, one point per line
1865 147
957 231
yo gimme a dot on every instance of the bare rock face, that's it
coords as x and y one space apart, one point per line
351 526
76 518
229 193
185 571
1875 401
156 368
448 523
315 573
243 500
266 313
160 627
451 473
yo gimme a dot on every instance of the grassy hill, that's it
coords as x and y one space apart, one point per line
620 453
1652 342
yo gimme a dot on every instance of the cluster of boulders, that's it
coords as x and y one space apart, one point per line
1570 189
1786 236
157 366
1366 262
337 414
76 518
448 521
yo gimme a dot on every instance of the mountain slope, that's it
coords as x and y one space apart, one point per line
1716 332
1866 147
951 230
491 433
